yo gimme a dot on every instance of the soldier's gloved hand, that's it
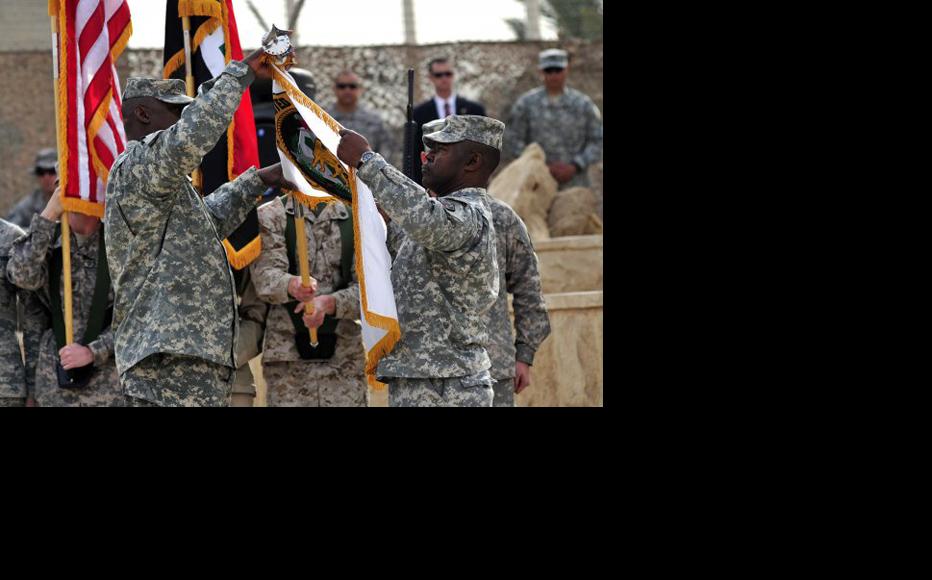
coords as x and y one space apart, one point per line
299 292
351 147
272 176
75 355
522 376
53 208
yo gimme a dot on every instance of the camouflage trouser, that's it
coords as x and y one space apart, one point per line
178 381
469 391
13 402
504 393
313 384
134 402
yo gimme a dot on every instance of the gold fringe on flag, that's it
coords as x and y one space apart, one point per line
245 256
210 8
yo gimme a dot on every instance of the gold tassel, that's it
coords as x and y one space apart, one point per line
210 8
245 256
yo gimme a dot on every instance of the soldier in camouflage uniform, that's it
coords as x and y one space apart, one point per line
563 121
512 353
349 113
519 275
31 267
175 315
340 379
16 378
445 274
46 175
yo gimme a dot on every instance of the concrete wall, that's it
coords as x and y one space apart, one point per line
495 73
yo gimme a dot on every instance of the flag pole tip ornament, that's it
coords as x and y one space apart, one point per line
276 44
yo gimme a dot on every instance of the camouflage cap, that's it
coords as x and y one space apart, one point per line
552 58
165 90
456 128
47 158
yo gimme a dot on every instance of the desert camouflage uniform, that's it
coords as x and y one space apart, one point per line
29 269
17 379
568 128
518 275
339 381
445 278
175 294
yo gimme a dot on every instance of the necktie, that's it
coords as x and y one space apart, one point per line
446 108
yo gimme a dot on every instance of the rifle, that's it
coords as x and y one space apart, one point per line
410 129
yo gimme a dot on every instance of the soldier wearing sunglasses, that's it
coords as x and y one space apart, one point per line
563 121
348 87
36 201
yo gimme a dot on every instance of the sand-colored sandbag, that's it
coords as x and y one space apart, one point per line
527 186
571 212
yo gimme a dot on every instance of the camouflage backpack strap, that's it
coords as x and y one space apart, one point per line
101 314
326 333
347 251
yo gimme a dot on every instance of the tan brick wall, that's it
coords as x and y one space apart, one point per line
495 73
27 121
24 25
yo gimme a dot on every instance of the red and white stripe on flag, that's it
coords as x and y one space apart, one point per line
92 35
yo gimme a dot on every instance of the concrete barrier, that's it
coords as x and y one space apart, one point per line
570 264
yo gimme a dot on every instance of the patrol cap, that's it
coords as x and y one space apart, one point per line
456 128
46 158
166 90
553 58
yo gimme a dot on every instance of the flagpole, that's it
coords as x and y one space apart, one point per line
189 79
302 259
65 227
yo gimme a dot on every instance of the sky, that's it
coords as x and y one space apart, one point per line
356 22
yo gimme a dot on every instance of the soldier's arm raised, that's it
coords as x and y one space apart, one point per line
444 225
28 266
183 145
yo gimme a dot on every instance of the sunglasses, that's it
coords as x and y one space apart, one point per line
342 86
553 70
438 75
40 171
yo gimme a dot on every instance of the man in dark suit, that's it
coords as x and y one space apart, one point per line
444 103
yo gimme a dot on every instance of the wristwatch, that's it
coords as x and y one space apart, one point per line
365 157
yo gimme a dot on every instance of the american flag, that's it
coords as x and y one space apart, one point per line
91 36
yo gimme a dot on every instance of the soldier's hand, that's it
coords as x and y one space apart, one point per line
323 305
260 68
53 208
272 176
522 376
351 147
299 292
75 355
